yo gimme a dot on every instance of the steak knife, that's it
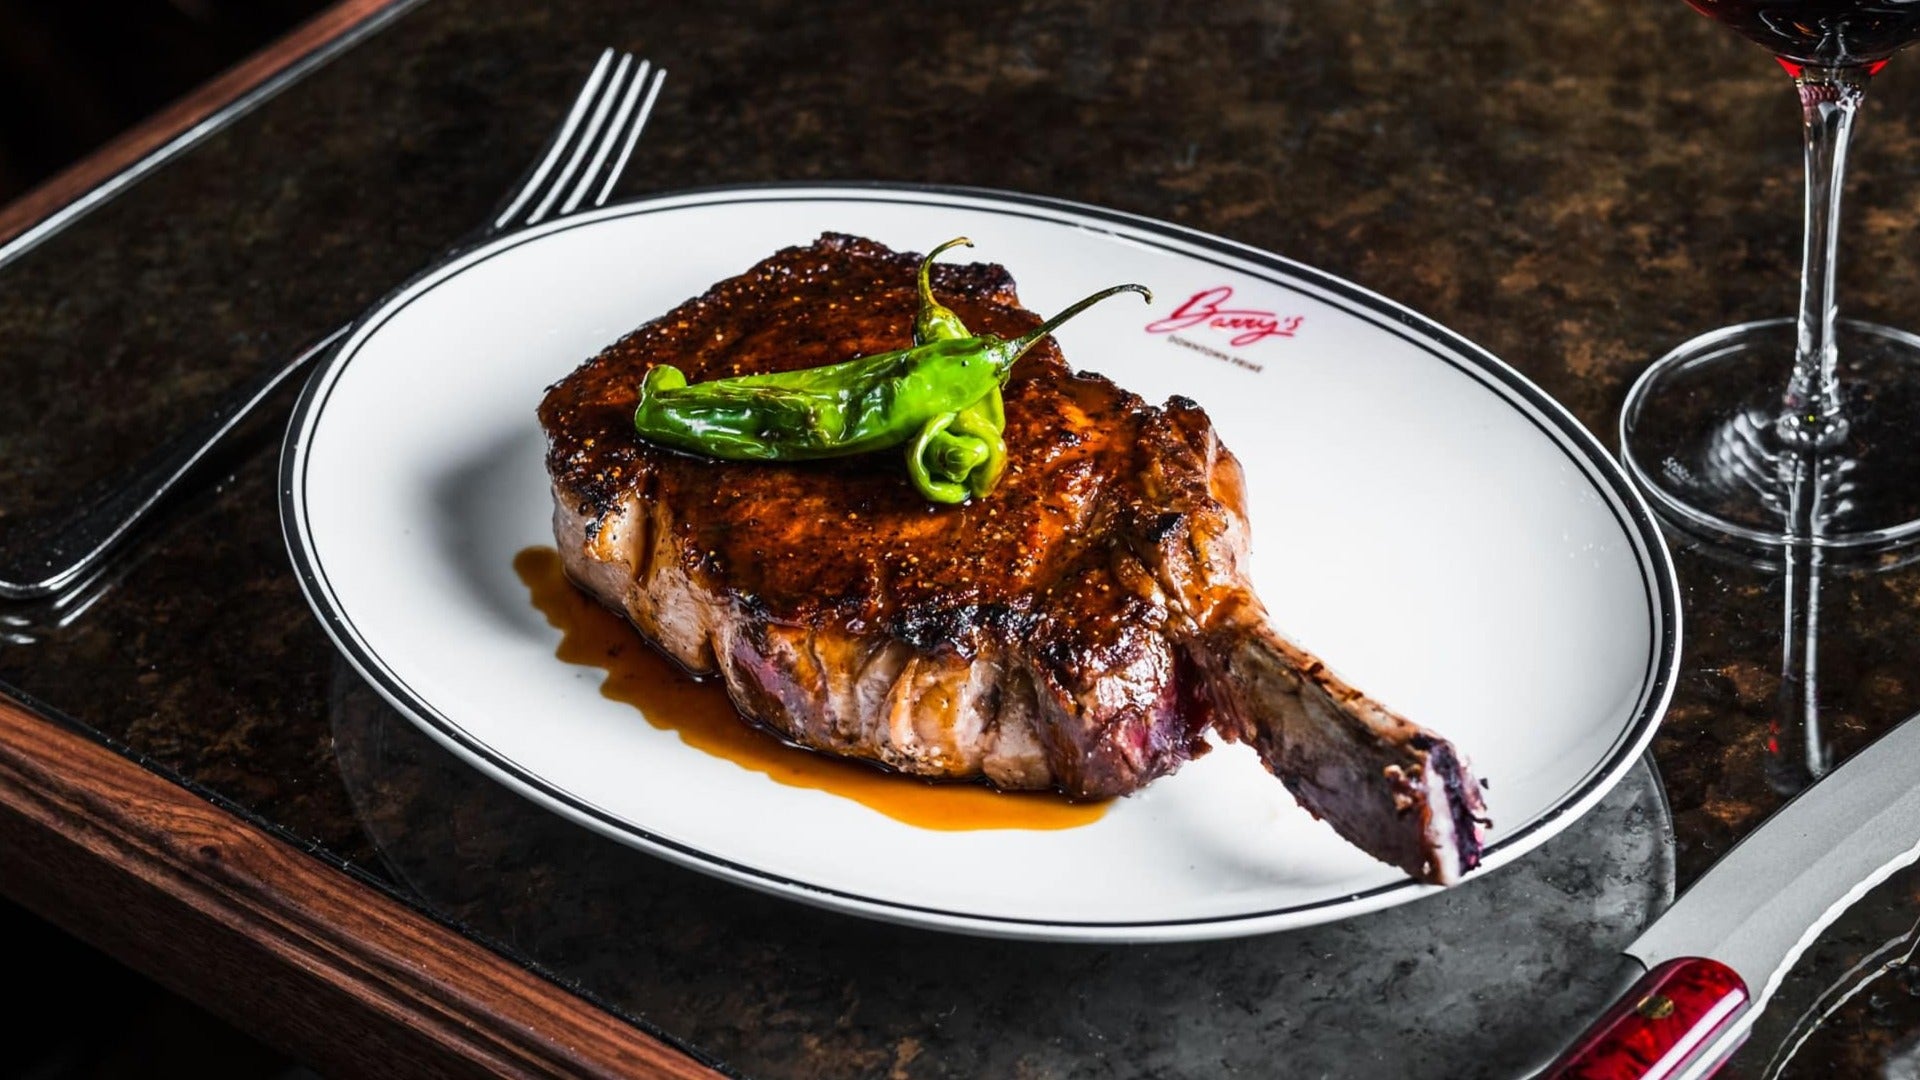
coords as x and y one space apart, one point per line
1708 966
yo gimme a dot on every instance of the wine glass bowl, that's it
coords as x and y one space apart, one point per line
1820 33
1797 431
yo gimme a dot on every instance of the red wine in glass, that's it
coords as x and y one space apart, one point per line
1823 33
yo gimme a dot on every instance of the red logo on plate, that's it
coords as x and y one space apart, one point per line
1208 308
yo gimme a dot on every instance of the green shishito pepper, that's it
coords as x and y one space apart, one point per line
940 399
965 456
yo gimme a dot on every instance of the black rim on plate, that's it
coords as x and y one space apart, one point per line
1580 447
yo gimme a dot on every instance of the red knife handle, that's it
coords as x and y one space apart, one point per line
1660 1028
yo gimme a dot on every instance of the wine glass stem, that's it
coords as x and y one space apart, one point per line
1813 416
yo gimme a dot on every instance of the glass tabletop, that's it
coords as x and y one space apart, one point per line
1537 199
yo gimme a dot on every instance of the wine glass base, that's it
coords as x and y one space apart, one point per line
1697 435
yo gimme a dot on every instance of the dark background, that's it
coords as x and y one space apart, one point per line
73 74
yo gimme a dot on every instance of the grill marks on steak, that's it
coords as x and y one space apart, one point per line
1082 628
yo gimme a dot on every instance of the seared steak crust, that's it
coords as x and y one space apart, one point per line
1082 628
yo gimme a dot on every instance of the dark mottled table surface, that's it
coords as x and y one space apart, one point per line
1577 186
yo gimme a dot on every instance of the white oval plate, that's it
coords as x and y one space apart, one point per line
1425 519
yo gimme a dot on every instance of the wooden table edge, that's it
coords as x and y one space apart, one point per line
153 136
276 941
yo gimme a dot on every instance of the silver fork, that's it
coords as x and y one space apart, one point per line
576 170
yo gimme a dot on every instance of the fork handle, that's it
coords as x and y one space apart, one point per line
47 561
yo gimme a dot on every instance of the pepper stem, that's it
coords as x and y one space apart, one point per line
937 322
926 264
1028 340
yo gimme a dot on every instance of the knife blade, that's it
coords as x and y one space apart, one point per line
1717 955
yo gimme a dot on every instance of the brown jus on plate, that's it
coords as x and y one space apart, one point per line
1081 628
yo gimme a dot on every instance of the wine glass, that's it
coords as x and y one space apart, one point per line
1804 431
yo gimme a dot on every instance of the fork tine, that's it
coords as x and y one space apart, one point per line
589 90
633 136
609 138
608 95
